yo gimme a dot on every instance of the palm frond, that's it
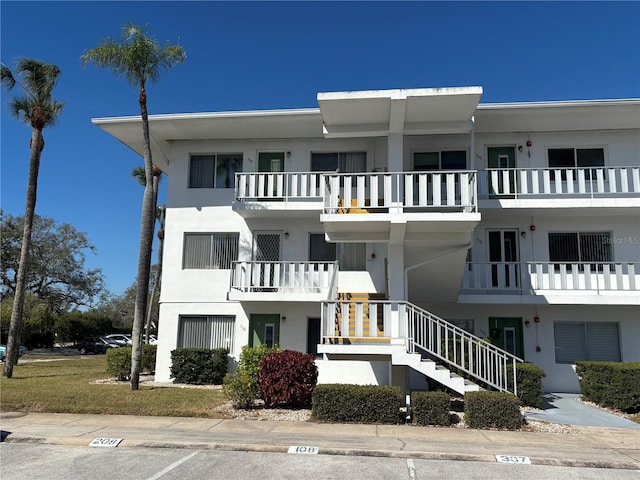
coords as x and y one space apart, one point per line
8 81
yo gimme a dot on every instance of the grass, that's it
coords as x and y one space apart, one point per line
65 386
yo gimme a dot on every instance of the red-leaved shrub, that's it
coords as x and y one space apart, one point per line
288 378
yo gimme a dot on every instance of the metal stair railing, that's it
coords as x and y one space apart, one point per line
466 352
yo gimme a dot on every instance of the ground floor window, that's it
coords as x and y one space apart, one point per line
575 341
212 331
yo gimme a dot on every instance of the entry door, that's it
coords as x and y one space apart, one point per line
266 248
506 333
503 258
502 158
271 162
313 335
264 329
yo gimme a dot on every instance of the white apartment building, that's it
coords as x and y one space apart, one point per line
390 232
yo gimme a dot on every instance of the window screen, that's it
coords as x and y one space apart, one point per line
575 341
580 247
210 250
216 331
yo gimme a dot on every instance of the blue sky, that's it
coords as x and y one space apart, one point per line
265 55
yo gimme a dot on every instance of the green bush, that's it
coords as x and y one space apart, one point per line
492 410
357 403
199 366
148 362
611 384
251 360
288 378
243 387
431 408
119 361
240 388
529 379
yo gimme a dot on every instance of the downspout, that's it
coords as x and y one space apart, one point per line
426 262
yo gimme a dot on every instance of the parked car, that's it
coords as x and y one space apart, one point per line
97 345
121 337
3 351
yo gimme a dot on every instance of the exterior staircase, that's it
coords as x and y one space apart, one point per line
428 342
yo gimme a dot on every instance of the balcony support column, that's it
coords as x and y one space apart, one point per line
396 279
395 146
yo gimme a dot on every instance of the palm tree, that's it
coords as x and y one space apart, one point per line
139 59
37 108
138 173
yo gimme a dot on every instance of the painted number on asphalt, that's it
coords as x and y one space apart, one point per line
304 450
105 442
512 459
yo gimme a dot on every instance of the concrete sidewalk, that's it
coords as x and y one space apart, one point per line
589 447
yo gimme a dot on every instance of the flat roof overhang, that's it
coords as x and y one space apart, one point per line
562 116
404 111
166 129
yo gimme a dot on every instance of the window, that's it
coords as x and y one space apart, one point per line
216 331
465 324
445 160
214 171
575 341
576 157
346 162
580 247
210 250
350 256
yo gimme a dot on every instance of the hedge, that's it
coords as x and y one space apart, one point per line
492 410
529 378
611 384
119 361
357 403
431 408
199 366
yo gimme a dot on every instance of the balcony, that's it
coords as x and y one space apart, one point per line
391 206
283 281
602 187
260 194
615 283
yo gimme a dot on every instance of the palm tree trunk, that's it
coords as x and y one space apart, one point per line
15 327
147 324
144 256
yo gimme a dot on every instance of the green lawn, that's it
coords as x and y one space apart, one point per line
64 386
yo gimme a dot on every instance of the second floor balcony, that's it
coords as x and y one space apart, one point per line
301 281
575 187
553 282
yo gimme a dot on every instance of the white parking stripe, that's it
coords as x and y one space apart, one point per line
412 469
173 465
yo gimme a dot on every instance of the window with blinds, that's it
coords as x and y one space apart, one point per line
214 331
214 171
210 250
580 247
575 341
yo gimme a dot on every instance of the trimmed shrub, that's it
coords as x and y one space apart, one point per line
611 384
199 366
529 378
251 359
357 403
240 388
119 361
492 410
431 408
243 387
288 378
148 362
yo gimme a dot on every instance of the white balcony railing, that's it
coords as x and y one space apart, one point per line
284 186
579 182
526 278
366 322
394 192
284 277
